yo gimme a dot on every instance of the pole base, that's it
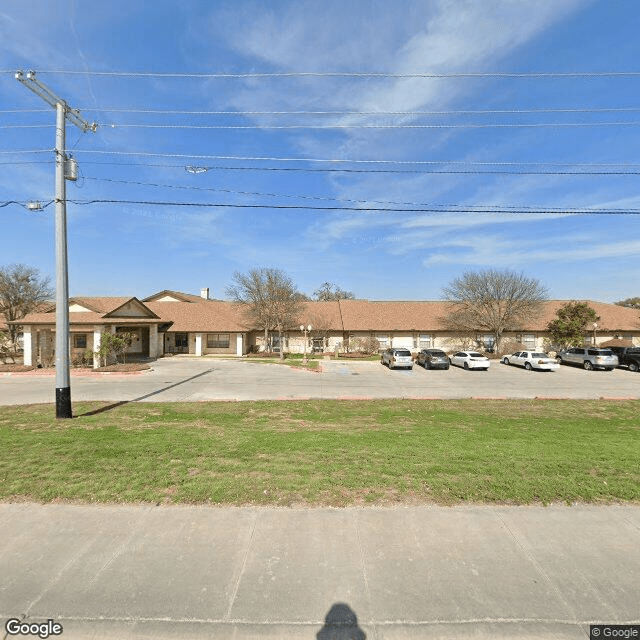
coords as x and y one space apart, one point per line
63 403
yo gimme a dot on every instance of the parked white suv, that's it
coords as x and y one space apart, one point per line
589 359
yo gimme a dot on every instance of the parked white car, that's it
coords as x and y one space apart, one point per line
532 360
470 360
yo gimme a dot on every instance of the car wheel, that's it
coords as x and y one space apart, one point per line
633 366
587 365
505 360
446 368
527 366
466 365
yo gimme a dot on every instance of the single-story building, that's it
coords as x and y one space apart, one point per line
171 322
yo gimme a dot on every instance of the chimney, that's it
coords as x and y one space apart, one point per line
204 293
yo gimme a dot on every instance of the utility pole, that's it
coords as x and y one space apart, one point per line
63 112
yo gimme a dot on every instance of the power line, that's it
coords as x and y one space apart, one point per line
567 211
344 160
17 151
390 171
344 74
323 198
579 168
346 112
425 208
253 127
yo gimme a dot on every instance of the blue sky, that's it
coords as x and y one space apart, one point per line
487 196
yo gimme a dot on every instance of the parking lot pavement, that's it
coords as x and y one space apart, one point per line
118 572
202 379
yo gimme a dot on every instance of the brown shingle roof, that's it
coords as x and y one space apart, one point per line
612 316
363 315
99 308
201 315
196 314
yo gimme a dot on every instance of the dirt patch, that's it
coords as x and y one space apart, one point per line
132 366
13 368
119 368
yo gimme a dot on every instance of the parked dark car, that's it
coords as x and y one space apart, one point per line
627 357
433 359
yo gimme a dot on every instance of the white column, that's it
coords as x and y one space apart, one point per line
153 341
97 331
239 349
198 344
28 352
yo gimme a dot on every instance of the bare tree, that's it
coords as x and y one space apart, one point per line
493 301
270 299
327 292
22 290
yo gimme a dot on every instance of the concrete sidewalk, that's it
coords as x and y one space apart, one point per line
134 572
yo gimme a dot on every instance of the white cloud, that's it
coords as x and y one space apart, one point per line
499 252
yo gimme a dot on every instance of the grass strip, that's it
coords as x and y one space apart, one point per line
324 452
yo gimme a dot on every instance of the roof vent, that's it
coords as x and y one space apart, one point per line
204 293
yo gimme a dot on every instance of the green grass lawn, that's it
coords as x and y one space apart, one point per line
324 452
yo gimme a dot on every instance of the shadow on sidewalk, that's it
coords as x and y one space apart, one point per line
341 623
115 405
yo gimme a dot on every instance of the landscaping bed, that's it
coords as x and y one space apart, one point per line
15 368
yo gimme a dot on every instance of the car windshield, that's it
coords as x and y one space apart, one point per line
600 352
475 354
403 352
439 354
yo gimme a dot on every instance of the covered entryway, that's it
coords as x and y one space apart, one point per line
139 341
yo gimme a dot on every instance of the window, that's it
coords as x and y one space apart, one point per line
217 341
80 340
181 340
424 341
488 341
383 340
529 341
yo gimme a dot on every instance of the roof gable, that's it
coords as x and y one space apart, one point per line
171 296
132 308
77 308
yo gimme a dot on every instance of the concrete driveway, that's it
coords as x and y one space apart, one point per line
201 379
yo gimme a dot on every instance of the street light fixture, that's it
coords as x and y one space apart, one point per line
305 330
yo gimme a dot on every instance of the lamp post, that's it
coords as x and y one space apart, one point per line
64 171
305 330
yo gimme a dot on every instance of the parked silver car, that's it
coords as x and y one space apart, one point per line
589 359
397 358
